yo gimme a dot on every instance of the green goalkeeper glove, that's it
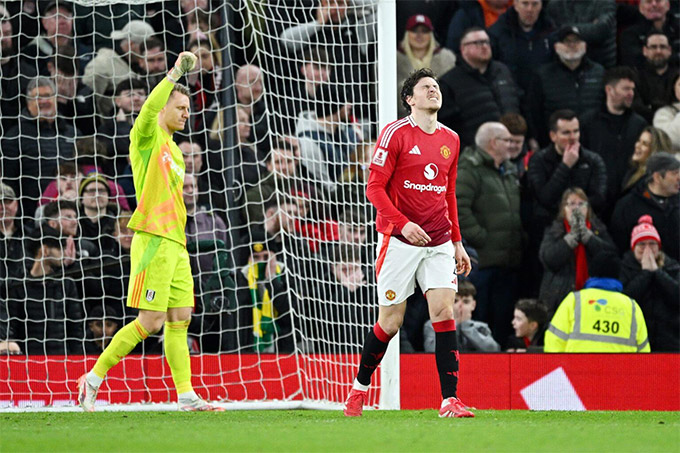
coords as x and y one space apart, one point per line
186 61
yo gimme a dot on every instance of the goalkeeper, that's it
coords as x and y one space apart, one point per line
161 285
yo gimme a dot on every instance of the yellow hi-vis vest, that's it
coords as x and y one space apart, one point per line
597 320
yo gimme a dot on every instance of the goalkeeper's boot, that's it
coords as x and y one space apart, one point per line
87 394
354 405
453 407
198 405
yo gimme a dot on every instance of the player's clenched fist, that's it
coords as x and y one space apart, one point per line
186 61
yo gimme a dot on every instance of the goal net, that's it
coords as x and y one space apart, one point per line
284 116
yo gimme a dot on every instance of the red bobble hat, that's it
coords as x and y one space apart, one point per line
644 230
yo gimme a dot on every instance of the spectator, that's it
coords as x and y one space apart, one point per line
476 13
668 118
57 22
595 20
654 15
64 186
612 129
581 324
655 75
112 66
281 169
13 233
202 225
441 14
478 89
151 61
33 149
419 49
562 165
44 314
102 324
249 85
529 323
651 141
92 159
98 219
129 96
14 73
569 245
572 81
193 156
659 197
487 191
75 101
327 137
204 83
250 160
472 336
652 278
521 39
62 217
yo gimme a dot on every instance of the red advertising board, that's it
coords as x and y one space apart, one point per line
487 381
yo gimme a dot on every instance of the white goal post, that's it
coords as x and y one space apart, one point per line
285 113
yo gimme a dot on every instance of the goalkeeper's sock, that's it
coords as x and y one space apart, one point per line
177 354
446 355
374 350
121 344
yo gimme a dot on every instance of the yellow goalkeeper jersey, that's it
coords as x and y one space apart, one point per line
158 172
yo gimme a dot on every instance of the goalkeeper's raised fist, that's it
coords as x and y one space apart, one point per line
186 61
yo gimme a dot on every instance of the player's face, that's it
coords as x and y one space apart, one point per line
643 148
621 93
521 324
426 96
567 133
642 246
176 112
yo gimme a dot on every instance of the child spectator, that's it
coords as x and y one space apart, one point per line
102 323
529 324
473 336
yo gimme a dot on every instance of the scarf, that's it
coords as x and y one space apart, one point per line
581 272
264 313
417 63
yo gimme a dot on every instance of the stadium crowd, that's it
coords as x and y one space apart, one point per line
568 114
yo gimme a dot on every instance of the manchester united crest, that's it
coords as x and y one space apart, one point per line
390 295
445 152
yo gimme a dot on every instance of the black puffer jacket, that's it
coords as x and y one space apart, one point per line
522 52
557 87
548 179
596 20
470 98
613 138
658 294
559 260
633 39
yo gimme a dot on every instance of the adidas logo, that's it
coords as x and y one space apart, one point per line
415 150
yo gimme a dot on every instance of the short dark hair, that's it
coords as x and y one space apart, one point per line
65 60
533 309
66 168
411 81
562 114
515 123
671 98
653 31
129 85
151 43
605 265
613 75
466 288
469 30
54 208
46 236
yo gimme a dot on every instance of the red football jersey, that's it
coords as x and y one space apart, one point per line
422 170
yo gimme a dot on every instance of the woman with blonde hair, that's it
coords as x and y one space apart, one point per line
651 141
418 49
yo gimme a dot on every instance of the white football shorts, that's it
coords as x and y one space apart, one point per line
399 265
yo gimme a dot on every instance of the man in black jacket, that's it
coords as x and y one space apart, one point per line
654 15
659 198
478 89
31 151
571 81
561 165
655 75
612 130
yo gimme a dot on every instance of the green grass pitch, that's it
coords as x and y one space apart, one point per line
379 431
